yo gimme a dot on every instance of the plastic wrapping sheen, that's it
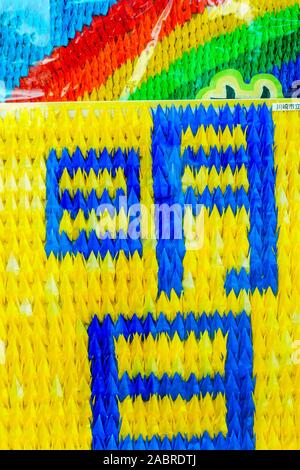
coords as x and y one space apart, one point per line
59 50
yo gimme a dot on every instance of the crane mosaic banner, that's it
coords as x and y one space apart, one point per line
67 50
149 258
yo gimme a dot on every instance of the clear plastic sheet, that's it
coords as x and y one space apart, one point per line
59 50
